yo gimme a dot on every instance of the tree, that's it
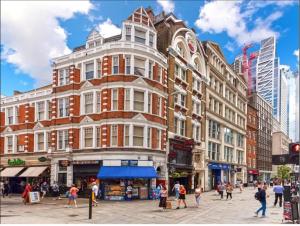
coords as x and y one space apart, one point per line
283 172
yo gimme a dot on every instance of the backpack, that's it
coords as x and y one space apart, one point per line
257 196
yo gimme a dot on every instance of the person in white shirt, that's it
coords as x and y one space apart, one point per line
95 190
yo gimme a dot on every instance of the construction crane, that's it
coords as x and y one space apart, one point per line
245 61
251 58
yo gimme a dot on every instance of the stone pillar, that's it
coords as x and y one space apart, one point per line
70 175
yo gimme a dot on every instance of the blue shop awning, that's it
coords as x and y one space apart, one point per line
126 172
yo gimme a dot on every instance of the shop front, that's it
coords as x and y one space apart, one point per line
252 175
127 182
218 172
24 169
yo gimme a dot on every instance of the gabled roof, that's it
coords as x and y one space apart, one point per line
141 16
217 48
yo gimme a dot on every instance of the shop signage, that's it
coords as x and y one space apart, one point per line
34 197
15 162
42 159
64 163
85 162
218 166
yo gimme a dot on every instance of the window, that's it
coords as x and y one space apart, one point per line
98 137
63 139
98 102
40 142
138 100
151 39
88 137
88 103
214 129
158 141
64 76
115 65
114 135
150 72
182 127
49 106
63 106
196 132
149 103
213 151
114 99
159 73
149 137
240 140
128 33
240 157
228 154
139 66
180 72
182 100
138 136
228 136
159 106
127 64
126 135
127 99
140 36
9 141
40 110
10 115
99 68
196 106
175 125
89 71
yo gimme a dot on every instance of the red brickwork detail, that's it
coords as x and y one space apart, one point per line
1 145
120 135
53 138
55 77
22 114
2 115
30 142
154 138
121 99
121 64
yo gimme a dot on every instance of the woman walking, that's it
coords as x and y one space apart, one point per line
95 193
197 195
182 193
73 195
25 194
163 197
229 190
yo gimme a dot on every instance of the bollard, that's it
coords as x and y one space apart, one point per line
90 204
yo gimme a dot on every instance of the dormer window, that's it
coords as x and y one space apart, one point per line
128 33
91 44
151 39
140 36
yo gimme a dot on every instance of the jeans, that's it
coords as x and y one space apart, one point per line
197 200
278 195
176 193
262 208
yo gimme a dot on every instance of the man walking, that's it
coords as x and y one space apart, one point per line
263 201
176 188
278 189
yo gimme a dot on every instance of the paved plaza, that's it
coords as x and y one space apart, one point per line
212 210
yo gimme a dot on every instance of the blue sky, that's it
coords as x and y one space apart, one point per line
34 32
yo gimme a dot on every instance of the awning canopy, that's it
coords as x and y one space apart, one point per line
126 172
33 171
10 171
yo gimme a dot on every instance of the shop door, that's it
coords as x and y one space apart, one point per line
216 177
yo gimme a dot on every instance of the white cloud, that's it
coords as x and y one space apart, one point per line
31 34
167 5
230 46
285 67
228 16
108 29
296 53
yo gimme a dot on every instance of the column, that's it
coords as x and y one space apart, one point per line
70 175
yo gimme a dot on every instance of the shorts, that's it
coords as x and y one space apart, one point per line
72 197
182 196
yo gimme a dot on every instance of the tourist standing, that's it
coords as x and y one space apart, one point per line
229 190
73 195
163 197
278 189
197 195
55 189
176 188
25 194
263 200
95 190
221 189
44 189
182 193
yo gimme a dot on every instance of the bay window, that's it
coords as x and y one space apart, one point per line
128 33
150 70
151 39
98 108
140 36
139 66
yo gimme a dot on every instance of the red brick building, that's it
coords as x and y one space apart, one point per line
106 107
252 126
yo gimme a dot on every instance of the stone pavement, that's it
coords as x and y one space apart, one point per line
212 210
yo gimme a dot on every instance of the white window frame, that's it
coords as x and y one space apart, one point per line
64 102
37 111
84 137
63 76
84 102
117 65
64 145
114 106
113 135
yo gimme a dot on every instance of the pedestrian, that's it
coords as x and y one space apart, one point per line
2 188
197 195
259 186
278 189
229 190
44 189
176 188
6 189
263 200
182 193
55 189
73 195
163 197
95 190
221 189
25 194
241 187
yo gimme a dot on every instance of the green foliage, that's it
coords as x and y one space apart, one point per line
283 172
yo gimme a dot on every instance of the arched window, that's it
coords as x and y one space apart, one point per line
197 64
181 49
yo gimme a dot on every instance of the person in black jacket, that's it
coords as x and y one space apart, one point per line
263 201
